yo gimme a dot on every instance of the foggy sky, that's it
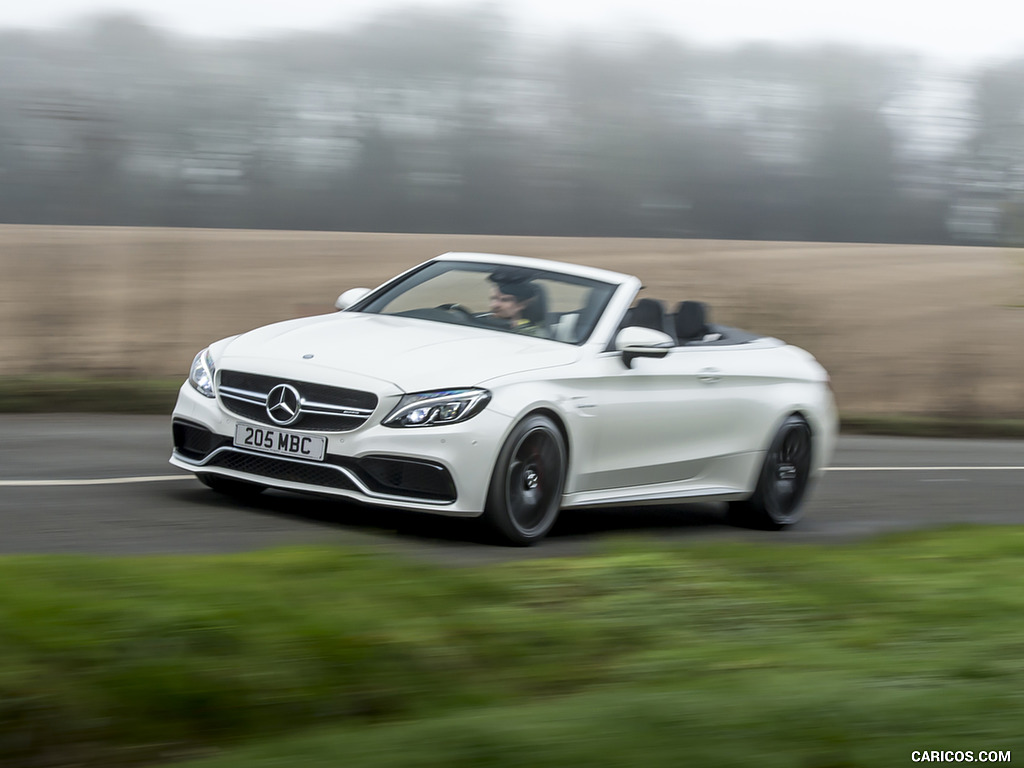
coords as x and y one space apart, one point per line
984 30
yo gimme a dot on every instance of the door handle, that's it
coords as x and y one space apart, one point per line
709 376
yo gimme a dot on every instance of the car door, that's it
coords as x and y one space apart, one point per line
668 420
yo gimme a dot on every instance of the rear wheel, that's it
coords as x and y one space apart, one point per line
526 487
236 489
782 484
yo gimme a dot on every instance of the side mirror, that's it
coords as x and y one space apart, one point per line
634 342
350 297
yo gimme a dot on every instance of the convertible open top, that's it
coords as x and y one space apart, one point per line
688 325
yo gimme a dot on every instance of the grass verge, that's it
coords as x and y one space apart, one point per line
62 394
70 394
655 655
931 426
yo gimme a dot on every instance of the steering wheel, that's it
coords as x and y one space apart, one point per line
459 309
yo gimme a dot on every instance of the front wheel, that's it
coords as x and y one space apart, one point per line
782 483
526 487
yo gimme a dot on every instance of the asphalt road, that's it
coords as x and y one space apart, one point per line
102 485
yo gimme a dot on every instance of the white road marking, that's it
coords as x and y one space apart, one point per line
913 469
165 478
97 481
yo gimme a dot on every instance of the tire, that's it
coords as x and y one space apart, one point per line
782 484
526 487
236 489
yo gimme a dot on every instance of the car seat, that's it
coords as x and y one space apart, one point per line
648 313
691 321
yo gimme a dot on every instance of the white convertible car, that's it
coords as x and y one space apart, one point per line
477 384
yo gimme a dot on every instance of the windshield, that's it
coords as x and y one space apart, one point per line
532 302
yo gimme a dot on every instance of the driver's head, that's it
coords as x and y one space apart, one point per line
510 296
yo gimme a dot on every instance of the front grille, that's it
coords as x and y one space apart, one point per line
323 408
392 476
324 475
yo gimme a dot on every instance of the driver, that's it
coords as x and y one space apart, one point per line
517 303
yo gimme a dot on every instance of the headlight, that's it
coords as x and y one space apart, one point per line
432 409
201 375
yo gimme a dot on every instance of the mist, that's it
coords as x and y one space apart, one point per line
453 120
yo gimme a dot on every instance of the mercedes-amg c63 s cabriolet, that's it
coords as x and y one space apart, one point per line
510 388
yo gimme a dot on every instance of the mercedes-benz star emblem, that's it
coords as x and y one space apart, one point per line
283 404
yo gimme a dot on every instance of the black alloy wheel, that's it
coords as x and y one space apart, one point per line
526 488
783 481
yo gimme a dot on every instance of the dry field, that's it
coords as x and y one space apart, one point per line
903 329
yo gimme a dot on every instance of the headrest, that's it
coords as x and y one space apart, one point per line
691 320
648 313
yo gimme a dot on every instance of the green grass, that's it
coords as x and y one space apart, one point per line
931 426
704 654
75 394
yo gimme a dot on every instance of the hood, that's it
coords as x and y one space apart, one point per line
412 355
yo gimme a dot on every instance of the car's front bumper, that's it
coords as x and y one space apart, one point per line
445 470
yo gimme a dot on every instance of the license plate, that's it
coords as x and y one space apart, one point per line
311 447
